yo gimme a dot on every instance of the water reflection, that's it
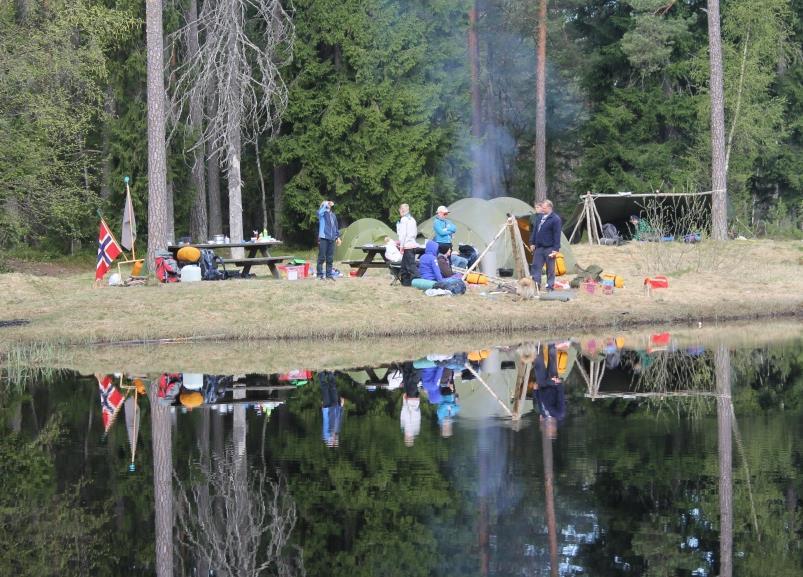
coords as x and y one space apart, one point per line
562 457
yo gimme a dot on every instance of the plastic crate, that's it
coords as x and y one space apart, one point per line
293 271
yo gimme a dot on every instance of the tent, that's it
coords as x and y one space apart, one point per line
479 220
361 232
510 205
594 210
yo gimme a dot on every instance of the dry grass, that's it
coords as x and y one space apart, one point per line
747 279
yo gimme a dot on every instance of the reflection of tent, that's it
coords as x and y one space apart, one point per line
479 220
477 402
360 232
617 208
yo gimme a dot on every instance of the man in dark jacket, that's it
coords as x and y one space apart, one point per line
545 244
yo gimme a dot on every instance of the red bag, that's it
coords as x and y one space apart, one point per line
657 282
166 269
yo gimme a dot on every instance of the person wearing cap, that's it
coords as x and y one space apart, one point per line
444 229
444 234
328 237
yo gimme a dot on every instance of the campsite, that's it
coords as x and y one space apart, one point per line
401 288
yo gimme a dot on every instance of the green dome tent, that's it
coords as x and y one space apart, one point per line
508 204
479 220
361 232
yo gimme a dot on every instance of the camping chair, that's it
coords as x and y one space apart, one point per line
395 273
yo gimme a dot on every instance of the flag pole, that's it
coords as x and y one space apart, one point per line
127 200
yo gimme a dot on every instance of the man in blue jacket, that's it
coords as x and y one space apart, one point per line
545 244
328 237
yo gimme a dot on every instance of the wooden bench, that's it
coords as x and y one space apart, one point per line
246 263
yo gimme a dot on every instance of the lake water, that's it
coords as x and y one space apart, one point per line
602 457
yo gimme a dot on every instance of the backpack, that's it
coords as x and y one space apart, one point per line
610 235
166 268
469 253
209 261
453 285
408 271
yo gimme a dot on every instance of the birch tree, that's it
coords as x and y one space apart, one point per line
244 44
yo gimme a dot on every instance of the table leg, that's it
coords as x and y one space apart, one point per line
364 265
274 271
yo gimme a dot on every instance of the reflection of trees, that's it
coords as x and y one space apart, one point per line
43 531
240 525
722 368
162 443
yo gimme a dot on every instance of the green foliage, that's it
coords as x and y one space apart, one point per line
44 532
373 106
51 94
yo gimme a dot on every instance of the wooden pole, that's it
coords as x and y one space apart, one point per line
487 248
587 213
489 389
519 256
576 226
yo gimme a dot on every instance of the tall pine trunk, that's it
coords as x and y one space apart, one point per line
198 216
477 178
279 180
540 106
719 184
158 230
106 170
162 443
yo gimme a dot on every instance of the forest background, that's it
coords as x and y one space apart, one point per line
379 112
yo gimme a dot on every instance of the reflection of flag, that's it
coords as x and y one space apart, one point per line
129 235
108 250
111 399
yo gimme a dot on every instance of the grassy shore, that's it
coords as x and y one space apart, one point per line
711 282
235 357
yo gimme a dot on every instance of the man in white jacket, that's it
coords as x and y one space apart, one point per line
407 230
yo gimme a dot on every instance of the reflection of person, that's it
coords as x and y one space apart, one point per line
410 417
448 407
549 397
328 236
331 408
545 244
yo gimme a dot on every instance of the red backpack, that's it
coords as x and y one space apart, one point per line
166 268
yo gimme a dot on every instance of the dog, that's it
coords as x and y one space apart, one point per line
525 289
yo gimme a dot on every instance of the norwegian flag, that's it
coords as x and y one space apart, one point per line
111 400
108 250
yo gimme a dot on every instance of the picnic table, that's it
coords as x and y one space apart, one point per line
370 261
257 253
